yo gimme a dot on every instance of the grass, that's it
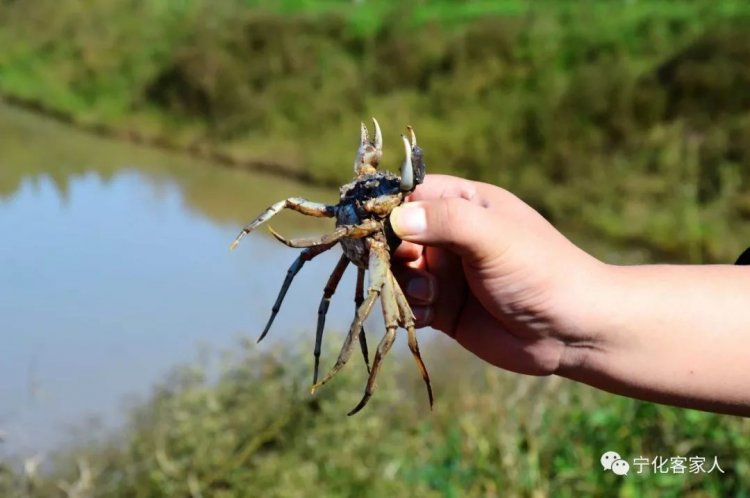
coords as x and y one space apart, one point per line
626 122
257 432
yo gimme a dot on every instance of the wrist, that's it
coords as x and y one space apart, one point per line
591 310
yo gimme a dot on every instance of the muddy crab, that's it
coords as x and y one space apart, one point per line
365 234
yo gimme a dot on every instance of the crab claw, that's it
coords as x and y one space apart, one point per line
412 135
412 171
369 152
378 135
364 135
278 236
407 170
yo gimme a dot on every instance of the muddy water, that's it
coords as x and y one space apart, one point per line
114 267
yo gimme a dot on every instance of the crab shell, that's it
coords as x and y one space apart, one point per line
382 187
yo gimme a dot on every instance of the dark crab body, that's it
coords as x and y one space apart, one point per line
365 234
352 210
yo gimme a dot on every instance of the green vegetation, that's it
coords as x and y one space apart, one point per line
626 122
256 432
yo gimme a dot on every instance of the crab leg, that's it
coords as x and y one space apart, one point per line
348 231
359 297
298 204
391 316
378 271
383 205
304 257
408 321
328 291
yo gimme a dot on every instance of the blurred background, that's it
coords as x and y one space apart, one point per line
137 137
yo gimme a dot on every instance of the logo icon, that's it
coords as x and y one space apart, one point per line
611 460
621 467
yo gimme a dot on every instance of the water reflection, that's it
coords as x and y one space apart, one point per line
31 148
114 267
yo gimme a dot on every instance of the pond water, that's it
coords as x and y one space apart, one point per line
114 267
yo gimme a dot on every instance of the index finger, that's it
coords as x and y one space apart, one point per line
444 187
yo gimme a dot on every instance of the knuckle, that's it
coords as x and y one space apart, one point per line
454 216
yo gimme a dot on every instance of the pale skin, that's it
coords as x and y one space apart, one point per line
482 266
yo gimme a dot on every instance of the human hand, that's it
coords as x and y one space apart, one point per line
485 268
482 266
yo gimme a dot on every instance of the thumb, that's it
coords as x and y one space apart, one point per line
455 223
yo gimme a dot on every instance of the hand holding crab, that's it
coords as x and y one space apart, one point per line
513 290
364 232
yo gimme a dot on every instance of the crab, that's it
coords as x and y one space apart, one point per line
365 234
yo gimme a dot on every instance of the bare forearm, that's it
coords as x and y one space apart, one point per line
671 334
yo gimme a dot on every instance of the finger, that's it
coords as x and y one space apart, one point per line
408 251
447 289
423 316
420 286
443 187
452 288
451 187
465 228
